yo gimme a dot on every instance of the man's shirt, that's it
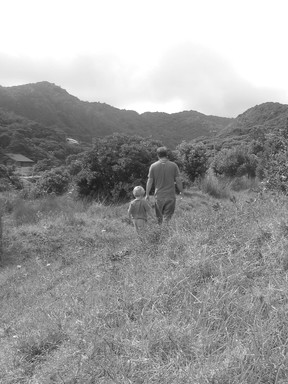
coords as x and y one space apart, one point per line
164 173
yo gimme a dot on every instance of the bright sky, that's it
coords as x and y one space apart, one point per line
217 57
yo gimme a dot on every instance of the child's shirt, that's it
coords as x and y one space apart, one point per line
139 208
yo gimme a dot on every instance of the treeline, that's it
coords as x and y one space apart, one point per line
117 163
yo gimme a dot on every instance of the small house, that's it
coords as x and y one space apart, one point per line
23 164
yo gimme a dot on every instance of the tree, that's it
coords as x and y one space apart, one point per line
193 159
54 181
4 140
274 163
115 165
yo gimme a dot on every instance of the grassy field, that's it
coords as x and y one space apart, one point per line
84 300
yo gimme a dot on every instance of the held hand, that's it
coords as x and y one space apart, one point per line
147 197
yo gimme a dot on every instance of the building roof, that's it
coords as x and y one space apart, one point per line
18 157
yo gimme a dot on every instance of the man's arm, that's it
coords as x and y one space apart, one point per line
130 211
148 187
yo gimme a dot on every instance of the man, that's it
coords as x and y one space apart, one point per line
164 174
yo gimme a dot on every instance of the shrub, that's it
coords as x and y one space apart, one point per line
44 165
276 172
193 158
8 180
75 167
54 181
114 166
235 162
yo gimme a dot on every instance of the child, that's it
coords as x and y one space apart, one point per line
139 209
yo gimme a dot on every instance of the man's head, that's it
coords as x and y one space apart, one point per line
138 191
162 152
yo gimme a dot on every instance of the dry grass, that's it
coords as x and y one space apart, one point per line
214 186
83 300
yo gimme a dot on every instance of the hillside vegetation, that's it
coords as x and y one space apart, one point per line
36 119
266 118
83 300
36 141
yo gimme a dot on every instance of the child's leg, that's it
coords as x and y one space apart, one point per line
139 224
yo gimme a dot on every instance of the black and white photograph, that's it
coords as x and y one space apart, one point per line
143 192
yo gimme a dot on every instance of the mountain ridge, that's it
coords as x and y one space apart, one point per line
51 105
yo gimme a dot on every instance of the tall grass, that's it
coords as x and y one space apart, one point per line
203 300
1 234
214 186
223 187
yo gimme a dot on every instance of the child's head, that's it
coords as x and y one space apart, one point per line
138 191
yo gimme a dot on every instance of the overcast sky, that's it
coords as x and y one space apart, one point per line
217 57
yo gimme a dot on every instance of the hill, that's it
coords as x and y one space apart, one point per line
52 106
266 117
263 118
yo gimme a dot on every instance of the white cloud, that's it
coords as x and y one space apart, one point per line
205 81
187 76
218 57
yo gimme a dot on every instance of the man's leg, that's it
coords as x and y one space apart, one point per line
168 209
159 204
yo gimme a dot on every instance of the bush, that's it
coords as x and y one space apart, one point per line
8 180
75 167
193 158
235 162
276 172
114 166
54 181
45 165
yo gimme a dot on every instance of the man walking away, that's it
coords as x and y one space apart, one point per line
164 174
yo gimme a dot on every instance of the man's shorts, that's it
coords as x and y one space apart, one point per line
164 209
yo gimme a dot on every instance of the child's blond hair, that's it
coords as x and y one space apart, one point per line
138 191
